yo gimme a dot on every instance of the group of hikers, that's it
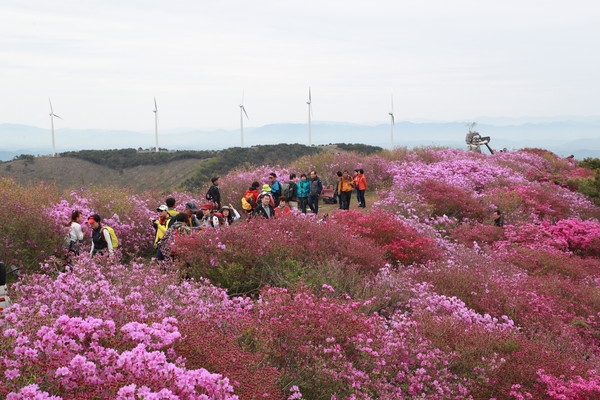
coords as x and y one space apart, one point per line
268 200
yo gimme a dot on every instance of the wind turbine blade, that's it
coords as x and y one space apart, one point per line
155 106
54 115
393 120
244 110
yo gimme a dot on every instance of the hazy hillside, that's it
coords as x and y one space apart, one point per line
72 172
148 170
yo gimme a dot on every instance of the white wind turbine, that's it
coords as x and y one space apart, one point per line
392 122
52 115
309 118
242 113
155 111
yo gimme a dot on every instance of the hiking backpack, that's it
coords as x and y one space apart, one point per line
248 202
113 237
289 190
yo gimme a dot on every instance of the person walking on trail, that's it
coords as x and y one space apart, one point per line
101 241
160 225
170 202
264 208
75 236
361 187
303 190
275 185
345 187
214 193
178 228
316 187
230 214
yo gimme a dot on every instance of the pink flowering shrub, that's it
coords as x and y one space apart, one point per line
207 345
107 331
470 233
401 243
247 255
573 235
328 347
452 201
28 236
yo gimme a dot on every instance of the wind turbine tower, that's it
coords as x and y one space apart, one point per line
242 113
309 116
155 111
392 122
52 115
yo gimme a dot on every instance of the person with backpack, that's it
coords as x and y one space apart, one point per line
275 185
179 227
316 187
290 191
250 197
214 193
303 190
102 239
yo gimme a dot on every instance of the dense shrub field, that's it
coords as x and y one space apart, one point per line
417 296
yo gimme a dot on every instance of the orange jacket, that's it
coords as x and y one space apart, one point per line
345 185
361 182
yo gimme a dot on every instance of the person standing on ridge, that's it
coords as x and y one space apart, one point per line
303 191
214 193
316 187
345 187
361 187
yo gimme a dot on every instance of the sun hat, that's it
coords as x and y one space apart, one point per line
266 188
191 205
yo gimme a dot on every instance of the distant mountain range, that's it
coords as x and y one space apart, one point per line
580 137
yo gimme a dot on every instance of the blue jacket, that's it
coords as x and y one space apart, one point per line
276 187
303 188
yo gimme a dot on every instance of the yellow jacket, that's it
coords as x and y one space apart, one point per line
160 230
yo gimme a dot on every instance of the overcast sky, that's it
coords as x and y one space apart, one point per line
102 62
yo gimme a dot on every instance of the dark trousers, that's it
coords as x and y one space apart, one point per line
302 203
345 200
313 203
360 196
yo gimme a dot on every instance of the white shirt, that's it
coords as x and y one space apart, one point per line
75 234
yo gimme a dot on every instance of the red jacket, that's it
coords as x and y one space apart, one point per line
361 182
